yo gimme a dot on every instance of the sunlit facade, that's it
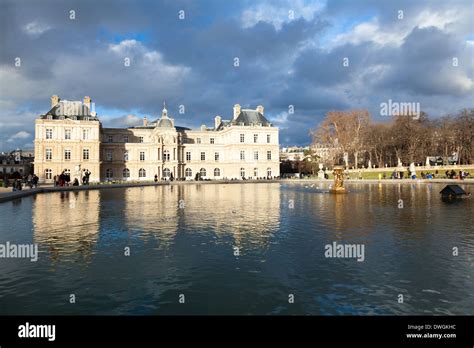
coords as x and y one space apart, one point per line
70 138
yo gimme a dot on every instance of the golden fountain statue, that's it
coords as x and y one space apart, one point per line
338 186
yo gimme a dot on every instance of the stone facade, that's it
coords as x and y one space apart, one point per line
70 137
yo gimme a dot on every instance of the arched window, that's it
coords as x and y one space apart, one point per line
125 155
189 173
166 155
255 172
166 173
217 172
242 172
269 172
48 174
109 173
142 173
202 172
126 173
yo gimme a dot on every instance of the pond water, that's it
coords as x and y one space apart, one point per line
240 249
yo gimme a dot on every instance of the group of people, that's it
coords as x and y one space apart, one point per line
64 179
449 174
452 174
31 180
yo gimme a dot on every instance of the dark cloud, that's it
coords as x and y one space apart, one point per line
190 62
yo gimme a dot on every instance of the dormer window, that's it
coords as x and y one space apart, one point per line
49 117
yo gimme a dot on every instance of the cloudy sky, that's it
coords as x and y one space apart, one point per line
290 54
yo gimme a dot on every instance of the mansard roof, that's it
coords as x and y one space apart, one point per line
70 109
249 117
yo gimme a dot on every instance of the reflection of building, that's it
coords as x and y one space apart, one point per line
70 137
18 161
67 222
246 213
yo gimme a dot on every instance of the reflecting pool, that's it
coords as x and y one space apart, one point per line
240 249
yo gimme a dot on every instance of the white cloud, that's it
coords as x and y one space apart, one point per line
371 31
19 135
279 15
35 28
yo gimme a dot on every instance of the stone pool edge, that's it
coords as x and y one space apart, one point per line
9 196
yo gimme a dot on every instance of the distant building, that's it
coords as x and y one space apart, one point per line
293 153
70 138
17 161
326 153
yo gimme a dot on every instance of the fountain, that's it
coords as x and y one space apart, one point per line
338 186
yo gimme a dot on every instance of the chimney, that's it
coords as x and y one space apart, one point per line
87 103
260 109
54 100
236 111
145 121
217 121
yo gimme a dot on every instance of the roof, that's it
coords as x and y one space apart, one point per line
70 109
165 123
452 189
251 117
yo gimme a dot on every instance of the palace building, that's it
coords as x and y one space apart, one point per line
70 138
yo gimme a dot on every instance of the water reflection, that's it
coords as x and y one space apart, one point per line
67 222
183 239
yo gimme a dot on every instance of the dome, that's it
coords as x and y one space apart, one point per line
165 123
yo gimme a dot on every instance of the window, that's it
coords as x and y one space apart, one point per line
142 173
269 172
269 155
242 138
85 154
255 172
166 155
48 174
109 173
268 138
198 141
125 138
255 155
109 156
141 139
125 156
49 154
67 154
255 138
211 140
142 155
49 133
189 173
166 173
85 134
216 156
203 156
217 172
126 173
67 134
110 138
202 173
242 155
242 172
188 156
